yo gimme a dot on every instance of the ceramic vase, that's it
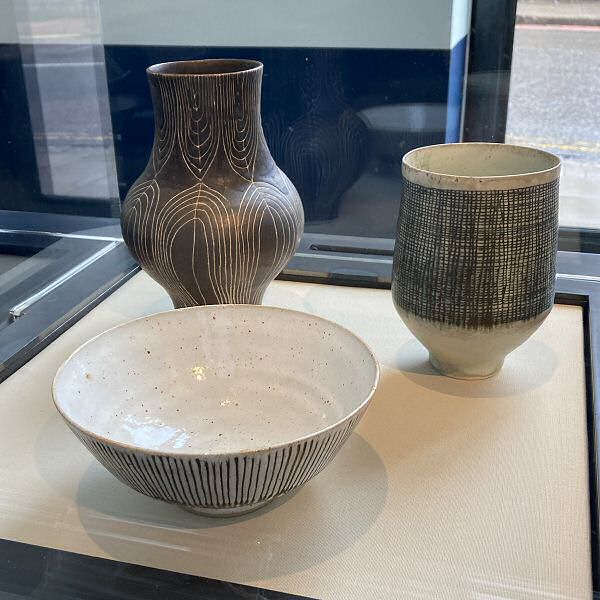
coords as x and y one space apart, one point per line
212 218
475 257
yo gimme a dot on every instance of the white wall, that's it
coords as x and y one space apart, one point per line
461 20
8 27
425 24
429 24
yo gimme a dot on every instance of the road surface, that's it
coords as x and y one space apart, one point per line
555 105
555 88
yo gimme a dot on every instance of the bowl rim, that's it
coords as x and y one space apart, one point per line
214 455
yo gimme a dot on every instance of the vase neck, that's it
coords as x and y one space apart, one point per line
205 121
182 101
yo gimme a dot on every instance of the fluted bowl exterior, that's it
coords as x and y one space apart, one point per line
222 485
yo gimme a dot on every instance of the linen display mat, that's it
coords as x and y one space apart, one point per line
447 489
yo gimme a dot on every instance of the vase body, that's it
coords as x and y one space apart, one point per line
212 218
475 257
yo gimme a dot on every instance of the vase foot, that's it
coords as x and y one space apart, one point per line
256 298
456 372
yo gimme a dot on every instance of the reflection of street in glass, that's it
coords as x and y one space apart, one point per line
555 85
65 76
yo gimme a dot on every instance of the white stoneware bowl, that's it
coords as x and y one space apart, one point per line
218 409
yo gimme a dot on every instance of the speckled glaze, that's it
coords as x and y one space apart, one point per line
219 408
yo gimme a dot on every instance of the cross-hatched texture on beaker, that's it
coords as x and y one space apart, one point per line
476 258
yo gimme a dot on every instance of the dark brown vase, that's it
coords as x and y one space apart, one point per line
212 218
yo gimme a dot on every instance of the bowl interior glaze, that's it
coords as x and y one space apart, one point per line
216 380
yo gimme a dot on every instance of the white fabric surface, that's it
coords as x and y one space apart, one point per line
448 489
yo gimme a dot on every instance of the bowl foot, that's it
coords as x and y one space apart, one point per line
225 511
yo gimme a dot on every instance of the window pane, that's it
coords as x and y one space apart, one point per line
347 90
60 239
555 86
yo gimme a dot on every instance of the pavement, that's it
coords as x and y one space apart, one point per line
559 12
553 102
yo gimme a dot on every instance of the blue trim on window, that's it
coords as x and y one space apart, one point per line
456 78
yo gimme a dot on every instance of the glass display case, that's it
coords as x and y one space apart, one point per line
446 489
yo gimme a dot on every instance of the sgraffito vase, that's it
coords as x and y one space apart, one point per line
212 218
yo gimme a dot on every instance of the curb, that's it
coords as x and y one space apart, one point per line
546 20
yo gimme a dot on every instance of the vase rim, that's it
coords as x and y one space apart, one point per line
480 166
209 67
